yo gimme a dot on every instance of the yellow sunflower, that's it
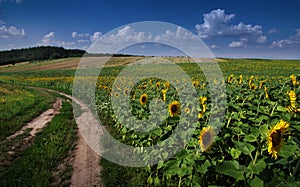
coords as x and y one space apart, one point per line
143 99
157 85
293 79
293 98
275 140
266 92
241 79
195 83
187 110
230 78
163 91
174 108
167 85
206 138
252 87
251 79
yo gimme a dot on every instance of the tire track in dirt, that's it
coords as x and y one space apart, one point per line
86 164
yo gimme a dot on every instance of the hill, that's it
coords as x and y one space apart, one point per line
37 54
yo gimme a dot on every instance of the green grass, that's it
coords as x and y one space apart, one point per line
20 105
50 148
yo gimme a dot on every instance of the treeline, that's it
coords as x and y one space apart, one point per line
37 54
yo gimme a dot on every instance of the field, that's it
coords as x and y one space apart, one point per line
255 143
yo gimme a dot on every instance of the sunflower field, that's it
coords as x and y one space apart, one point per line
256 145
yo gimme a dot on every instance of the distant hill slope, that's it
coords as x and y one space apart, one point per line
37 54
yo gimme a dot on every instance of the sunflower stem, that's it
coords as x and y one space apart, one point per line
273 109
179 183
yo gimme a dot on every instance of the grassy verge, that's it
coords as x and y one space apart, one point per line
20 105
41 160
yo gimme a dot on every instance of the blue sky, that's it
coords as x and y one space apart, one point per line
230 28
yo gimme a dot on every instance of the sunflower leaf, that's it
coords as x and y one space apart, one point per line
257 167
256 182
230 169
288 150
244 147
235 153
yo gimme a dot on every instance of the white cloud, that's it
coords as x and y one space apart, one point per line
237 44
213 46
13 1
2 22
75 34
12 31
47 39
292 41
95 36
179 34
64 44
217 24
273 31
83 41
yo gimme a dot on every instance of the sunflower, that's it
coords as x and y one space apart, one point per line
195 83
174 108
167 85
241 79
126 91
164 94
293 98
261 84
293 79
275 135
230 78
252 86
266 92
251 79
187 110
143 99
157 85
206 138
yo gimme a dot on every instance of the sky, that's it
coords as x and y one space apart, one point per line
229 28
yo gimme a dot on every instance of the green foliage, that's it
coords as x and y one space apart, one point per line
37 54
50 147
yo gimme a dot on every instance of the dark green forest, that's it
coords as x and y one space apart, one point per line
39 53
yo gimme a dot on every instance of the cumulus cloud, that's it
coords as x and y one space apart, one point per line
214 46
95 36
13 1
218 24
12 31
273 31
179 34
47 39
237 44
80 35
83 41
292 41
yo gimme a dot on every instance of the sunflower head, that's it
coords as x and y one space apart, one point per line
157 85
230 78
163 91
195 83
143 99
252 86
293 98
174 108
266 92
293 79
206 138
241 79
251 79
275 140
